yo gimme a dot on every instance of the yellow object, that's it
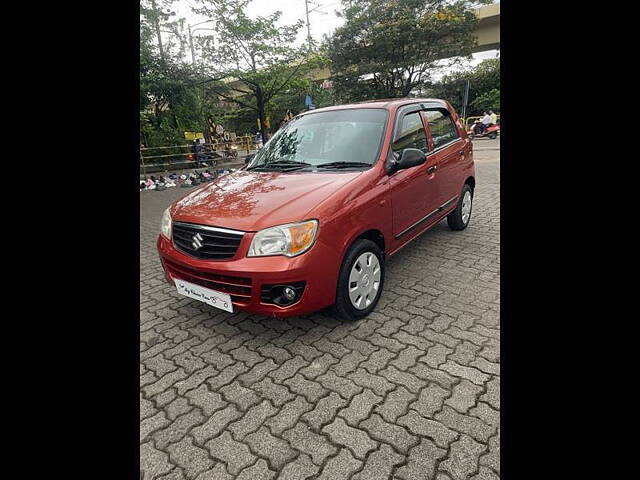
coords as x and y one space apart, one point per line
193 135
302 236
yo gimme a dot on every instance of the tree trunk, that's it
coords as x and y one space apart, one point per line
261 115
156 23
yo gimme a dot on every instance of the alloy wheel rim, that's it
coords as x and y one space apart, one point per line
364 281
466 206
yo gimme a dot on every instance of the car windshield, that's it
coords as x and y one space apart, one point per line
338 139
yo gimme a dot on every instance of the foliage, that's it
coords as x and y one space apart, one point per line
484 87
251 61
389 48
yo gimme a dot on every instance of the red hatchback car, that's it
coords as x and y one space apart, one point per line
310 221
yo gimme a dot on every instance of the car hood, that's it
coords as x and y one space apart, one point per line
251 201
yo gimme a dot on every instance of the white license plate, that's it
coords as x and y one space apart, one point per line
206 295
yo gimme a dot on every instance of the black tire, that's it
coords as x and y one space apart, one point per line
343 309
454 219
493 136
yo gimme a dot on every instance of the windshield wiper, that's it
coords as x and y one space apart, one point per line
343 164
280 164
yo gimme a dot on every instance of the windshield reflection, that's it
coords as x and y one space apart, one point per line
325 138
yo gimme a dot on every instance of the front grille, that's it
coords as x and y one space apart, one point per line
238 287
213 244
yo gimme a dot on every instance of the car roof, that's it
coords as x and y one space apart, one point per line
387 103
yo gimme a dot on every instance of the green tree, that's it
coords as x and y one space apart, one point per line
484 87
252 61
389 48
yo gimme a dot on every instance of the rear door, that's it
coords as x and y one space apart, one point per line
413 190
448 154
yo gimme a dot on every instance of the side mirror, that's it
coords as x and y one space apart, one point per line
410 157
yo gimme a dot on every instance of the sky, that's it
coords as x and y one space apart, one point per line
294 10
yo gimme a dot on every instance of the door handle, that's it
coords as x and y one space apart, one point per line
431 169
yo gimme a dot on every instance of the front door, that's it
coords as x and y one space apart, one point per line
414 191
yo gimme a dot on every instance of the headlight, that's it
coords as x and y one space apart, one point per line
165 224
290 240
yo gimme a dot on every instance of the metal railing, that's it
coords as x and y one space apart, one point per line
175 157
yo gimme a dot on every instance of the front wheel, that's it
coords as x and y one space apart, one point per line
493 136
459 218
360 281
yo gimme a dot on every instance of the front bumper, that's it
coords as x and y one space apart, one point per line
243 277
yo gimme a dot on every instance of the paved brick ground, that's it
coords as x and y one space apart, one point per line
411 392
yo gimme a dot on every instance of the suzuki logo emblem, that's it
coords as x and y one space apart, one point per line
197 241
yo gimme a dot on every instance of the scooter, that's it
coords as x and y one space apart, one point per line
492 132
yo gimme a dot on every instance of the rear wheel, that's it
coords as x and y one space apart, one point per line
493 136
459 218
360 281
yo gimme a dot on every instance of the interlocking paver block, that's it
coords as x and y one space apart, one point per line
356 440
421 461
379 464
275 449
153 462
218 472
464 396
288 415
189 362
472 426
407 358
360 407
348 363
278 354
390 433
318 366
325 410
252 420
492 457
177 429
177 407
226 376
395 404
378 360
249 357
301 468
378 384
463 458
234 454
258 471
424 427
216 423
408 380
344 387
312 391
340 467
288 369
206 400
169 380
333 348
278 394
239 395
492 396
303 439
257 372
191 458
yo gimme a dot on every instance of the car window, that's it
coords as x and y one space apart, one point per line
442 127
411 134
